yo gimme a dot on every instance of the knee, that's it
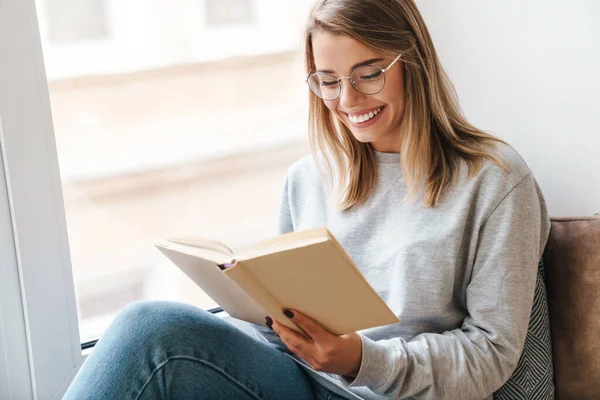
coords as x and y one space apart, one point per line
150 321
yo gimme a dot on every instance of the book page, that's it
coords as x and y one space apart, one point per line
211 279
202 243
214 255
321 281
257 291
286 242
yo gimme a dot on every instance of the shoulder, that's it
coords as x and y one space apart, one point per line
492 183
514 197
495 177
304 165
516 165
306 181
303 171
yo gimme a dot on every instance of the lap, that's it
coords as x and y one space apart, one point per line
156 343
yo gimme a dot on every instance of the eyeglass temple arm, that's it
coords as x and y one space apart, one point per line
392 63
347 77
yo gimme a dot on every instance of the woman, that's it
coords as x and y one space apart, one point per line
445 221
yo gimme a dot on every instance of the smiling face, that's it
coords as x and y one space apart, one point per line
373 118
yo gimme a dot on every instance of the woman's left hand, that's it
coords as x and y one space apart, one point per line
322 350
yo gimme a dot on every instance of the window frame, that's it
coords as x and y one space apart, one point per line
38 316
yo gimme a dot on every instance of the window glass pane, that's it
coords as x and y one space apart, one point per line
222 12
170 126
75 21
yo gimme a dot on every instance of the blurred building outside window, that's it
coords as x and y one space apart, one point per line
224 12
76 21
168 115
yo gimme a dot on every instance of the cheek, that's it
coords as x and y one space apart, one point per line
392 96
396 103
393 92
331 105
396 107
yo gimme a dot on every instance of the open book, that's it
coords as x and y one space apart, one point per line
308 271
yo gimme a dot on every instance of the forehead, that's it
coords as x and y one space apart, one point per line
339 53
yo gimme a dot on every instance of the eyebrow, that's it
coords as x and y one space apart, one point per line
360 64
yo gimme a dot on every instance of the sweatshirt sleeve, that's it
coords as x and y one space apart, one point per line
474 361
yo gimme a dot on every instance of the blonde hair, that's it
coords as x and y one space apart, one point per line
435 136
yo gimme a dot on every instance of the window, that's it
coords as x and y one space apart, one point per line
76 21
234 12
163 150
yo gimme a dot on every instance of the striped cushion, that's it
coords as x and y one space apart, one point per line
533 377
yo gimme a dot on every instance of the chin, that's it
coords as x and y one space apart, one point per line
364 137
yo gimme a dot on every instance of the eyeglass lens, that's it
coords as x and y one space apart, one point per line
367 79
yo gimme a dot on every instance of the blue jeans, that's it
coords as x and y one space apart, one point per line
168 350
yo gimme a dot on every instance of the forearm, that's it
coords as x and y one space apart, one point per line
464 363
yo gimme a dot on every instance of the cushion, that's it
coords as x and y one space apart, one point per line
572 259
532 379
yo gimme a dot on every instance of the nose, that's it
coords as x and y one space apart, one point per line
350 97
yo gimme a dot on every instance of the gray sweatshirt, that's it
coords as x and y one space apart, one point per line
460 276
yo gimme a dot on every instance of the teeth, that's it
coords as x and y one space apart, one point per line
364 117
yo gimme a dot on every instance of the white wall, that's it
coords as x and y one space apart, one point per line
529 71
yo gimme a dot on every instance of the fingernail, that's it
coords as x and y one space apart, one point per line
288 313
269 322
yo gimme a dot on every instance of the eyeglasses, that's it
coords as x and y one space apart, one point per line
367 79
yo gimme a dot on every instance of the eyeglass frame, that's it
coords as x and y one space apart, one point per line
339 79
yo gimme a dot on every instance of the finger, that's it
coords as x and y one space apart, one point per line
309 325
302 348
297 343
296 328
281 329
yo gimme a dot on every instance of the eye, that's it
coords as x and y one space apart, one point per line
371 75
328 83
